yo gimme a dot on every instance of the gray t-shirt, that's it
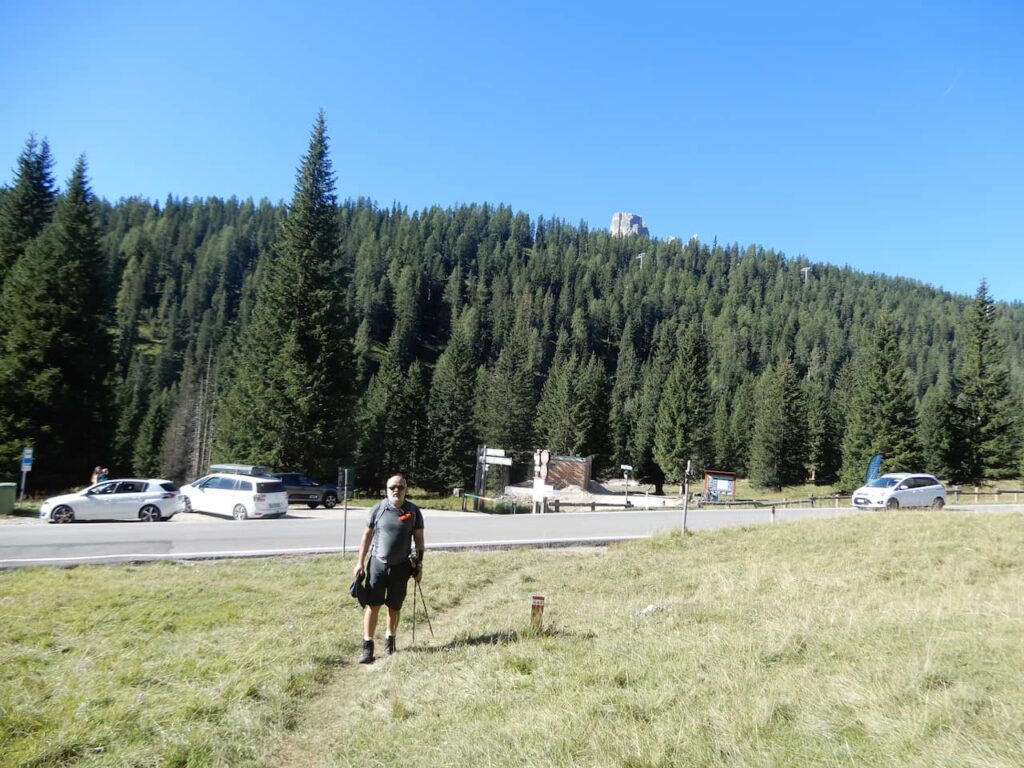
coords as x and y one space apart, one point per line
392 530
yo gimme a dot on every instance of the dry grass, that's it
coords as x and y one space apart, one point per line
873 640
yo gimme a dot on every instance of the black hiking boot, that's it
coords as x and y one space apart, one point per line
389 644
367 655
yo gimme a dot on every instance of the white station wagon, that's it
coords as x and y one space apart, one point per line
901 489
237 496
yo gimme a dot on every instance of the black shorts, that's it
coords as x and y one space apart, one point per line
387 584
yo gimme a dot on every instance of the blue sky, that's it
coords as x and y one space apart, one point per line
882 136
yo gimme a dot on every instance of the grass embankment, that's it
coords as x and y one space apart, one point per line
883 639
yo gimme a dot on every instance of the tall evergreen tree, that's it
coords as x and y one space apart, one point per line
510 398
779 452
624 394
28 206
823 437
882 417
56 353
685 413
288 397
988 440
938 429
450 436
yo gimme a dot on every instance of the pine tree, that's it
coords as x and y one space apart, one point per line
938 429
510 399
557 421
882 417
685 413
451 438
823 438
28 206
779 452
988 439
56 353
592 393
288 397
624 395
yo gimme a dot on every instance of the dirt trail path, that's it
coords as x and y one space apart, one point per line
355 691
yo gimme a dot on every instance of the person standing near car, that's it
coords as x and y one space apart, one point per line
393 528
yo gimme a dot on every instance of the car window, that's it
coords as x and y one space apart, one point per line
882 482
170 487
270 487
129 487
243 485
303 480
220 483
104 489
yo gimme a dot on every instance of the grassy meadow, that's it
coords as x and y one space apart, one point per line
874 640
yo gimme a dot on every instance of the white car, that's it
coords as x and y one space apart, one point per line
901 489
128 499
239 496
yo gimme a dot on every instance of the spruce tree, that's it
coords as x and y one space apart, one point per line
779 452
557 421
56 353
451 439
510 399
988 439
938 429
624 395
28 206
287 401
881 416
685 413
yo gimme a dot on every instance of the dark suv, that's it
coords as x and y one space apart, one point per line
303 490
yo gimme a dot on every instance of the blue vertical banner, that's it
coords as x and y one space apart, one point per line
873 466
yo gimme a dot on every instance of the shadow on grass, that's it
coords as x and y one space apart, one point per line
506 637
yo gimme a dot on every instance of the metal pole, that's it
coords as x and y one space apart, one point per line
344 525
686 494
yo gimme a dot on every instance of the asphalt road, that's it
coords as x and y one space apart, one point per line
34 543
197 536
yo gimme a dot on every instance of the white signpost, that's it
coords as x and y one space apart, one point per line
626 469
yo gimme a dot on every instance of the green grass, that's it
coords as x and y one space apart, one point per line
874 640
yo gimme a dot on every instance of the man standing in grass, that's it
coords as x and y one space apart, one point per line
393 526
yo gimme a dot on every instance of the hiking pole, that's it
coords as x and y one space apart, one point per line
414 616
424 608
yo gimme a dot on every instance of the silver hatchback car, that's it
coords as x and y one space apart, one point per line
901 489
129 499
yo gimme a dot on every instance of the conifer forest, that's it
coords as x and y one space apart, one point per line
325 331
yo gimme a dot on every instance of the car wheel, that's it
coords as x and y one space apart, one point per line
330 500
239 512
938 502
63 514
149 514
312 504
892 504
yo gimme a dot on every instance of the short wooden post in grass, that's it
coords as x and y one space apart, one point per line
537 612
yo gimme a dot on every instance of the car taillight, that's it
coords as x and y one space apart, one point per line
260 497
168 495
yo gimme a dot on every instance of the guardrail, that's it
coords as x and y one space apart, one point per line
996 494
954 495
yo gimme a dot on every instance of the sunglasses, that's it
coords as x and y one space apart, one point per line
396 487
